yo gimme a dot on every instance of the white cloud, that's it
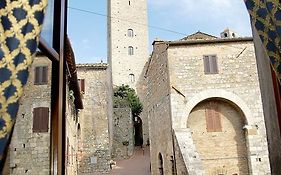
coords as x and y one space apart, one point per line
192 13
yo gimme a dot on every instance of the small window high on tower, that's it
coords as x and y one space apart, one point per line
130 33
130 50
132 78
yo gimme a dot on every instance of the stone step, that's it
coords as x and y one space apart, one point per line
191 157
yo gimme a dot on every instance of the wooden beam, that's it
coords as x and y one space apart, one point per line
47 50
59 90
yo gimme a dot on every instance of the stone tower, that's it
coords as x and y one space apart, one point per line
127 40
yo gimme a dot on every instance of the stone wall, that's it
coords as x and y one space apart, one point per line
109 88
30 151
34 146
228 153
141 88
159 111
123 139
181 63
72 135
180 164
236 81
187 160
94 144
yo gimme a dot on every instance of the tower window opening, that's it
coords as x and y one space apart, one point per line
132 78
130 33
130 50
129 2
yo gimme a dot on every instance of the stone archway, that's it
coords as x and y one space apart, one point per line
217 124
216 93
250 127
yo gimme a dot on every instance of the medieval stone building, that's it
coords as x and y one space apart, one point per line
128 47
29 151
204 103
96 118
205 108
33 121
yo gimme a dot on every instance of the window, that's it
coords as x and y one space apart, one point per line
129 2
213 120
210 64
130 50
81 83
40 119
41 75
132 78
130 33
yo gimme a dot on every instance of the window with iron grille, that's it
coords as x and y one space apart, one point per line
41 75
210 64
40 119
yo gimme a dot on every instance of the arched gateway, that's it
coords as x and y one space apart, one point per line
217 131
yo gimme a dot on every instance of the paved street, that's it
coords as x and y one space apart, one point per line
137 165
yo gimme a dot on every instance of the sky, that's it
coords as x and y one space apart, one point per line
88 30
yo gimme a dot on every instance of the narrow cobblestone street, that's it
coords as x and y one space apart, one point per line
137 165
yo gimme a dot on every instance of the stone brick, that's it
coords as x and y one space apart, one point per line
94 143
123 139
25 143
176 71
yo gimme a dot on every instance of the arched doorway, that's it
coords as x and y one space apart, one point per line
138 131
161 168
217 131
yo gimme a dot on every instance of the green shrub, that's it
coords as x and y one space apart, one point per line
124 96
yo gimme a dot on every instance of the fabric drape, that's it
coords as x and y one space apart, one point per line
20 26
266 18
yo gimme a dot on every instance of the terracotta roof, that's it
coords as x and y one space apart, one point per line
93 65
199 36
72 78
206 41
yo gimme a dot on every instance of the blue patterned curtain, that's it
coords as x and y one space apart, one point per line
20 26
266 17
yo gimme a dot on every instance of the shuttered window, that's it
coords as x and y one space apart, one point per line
81 85
210 64
40 119
41 75
213 119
